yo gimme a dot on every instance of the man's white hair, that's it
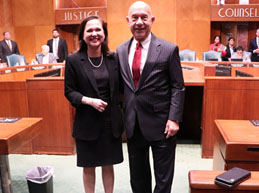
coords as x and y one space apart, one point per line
45 47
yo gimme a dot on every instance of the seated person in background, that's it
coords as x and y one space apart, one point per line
45 57
239 54
217 46
230 49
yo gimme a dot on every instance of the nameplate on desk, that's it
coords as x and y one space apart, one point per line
187 68
9 120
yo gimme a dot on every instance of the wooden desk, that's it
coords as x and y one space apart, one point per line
190 127
234 98
23 95
13 136
193 76
236 144
202 181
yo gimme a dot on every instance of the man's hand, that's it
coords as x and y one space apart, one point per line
171 128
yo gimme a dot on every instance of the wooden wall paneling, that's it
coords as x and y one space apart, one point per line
13 99
14 103
227 29
200 41
24 13
231 1
47 100
80 3
70 34
42 35
215 30
25 37
44 13
6 18
193 25
28 16
242 35
227 98
33 13
117 25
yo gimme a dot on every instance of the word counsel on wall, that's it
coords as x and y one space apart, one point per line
234 12
76 16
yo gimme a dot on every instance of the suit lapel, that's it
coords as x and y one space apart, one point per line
153 53
111 71
7 47
125 65
84 63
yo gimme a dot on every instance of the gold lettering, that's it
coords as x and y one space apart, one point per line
231 10
219 12
256 13
80 15
246 12
75 16
251 12
89 13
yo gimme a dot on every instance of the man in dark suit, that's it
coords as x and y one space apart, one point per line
254 47
153 98
7 47
58 46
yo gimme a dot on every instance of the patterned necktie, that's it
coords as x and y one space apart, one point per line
136 64
9 44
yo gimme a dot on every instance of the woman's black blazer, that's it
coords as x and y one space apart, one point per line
79 82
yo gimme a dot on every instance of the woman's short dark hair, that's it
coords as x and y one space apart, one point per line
82 44
218 37
231 38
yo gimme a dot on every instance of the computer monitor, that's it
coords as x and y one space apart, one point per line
243 74
50 73
223 71
237 59
213 59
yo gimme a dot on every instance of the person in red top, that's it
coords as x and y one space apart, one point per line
217 46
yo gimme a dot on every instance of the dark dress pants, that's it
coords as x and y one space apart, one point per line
163 157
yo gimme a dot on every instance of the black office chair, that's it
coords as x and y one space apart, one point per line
211 56
187 55
15 60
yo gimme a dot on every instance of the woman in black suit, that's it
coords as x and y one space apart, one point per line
92 87
230 49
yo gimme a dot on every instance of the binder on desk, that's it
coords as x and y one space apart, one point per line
232 177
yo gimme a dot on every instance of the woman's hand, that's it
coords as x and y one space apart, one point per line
98 104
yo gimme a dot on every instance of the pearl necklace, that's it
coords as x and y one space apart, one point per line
96 66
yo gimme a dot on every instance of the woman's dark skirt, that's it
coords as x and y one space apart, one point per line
106 150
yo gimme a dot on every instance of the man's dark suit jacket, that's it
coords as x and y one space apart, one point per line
5 50
252 47
160 93
79 82
62 49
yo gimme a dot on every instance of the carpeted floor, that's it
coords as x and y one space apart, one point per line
68 178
